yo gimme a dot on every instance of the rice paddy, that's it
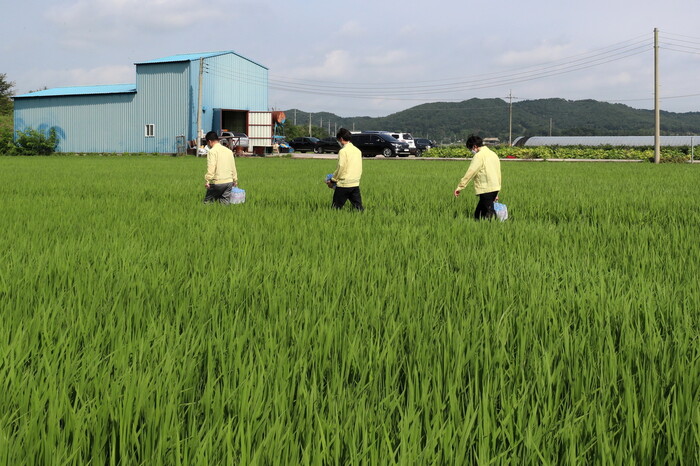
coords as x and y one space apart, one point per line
142 327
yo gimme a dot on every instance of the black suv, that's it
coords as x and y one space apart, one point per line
423 145
303 144
327 145
378 143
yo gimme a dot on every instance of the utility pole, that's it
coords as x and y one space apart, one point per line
692 148
657 111
295 117
510 117
309 125
550 127
199 105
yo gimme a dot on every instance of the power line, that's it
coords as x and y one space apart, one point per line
411 91
670 34
682 51
679 42
592 54
623 49
554 68
383 92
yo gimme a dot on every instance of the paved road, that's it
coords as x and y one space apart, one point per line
412 157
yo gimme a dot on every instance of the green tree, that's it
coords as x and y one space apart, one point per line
6 90
292 131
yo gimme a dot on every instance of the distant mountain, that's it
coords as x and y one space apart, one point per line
451 121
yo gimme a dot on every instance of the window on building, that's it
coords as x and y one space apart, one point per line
150 131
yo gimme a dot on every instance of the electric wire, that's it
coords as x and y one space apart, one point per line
465 85
682 51
441 89
558 65
411 91
550 64
670 34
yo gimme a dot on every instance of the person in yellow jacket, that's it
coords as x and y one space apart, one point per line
221 174
485 170
346 178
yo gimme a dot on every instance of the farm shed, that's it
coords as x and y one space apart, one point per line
630 141
157 113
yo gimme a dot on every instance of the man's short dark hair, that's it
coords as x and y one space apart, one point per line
474 141
344 134
211 136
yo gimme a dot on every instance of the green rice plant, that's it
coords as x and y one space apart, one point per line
143 327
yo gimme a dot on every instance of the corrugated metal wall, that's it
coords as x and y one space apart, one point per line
163 99
86 123
166 97
230 82
260 129
117 122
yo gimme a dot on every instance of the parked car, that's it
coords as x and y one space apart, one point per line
327 145
423 145
304 144
403 137
372 144
233 140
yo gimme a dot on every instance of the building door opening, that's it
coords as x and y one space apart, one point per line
234 120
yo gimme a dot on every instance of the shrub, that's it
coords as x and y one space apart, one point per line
668 154
7 144
35 142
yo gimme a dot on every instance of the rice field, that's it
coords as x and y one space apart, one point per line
142 327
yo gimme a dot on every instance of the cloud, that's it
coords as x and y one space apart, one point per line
81 77
341 65
352 29
390 57
90 23
335 64
410 30
540 54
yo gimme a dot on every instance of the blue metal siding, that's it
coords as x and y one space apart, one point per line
230 82
91 123
165 96
162 100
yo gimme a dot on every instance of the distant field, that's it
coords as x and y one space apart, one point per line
142 327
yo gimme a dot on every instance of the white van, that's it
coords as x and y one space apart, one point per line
403 137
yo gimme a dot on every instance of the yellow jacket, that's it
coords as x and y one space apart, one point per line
349 170
485 169
221 166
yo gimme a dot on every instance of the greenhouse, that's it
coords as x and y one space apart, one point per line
629 141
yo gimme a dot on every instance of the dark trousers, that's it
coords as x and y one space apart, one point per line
219 192
340 195
484 209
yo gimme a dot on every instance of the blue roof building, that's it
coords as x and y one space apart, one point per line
160 108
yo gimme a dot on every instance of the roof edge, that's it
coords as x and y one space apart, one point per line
195 56
81 90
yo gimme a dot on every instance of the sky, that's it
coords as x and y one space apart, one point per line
373 58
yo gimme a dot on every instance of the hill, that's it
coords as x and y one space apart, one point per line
451 121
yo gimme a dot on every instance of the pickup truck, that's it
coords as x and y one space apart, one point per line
233 140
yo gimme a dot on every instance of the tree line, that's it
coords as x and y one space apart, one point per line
454 121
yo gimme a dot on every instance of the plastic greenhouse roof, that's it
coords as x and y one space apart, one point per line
605 141
83 90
